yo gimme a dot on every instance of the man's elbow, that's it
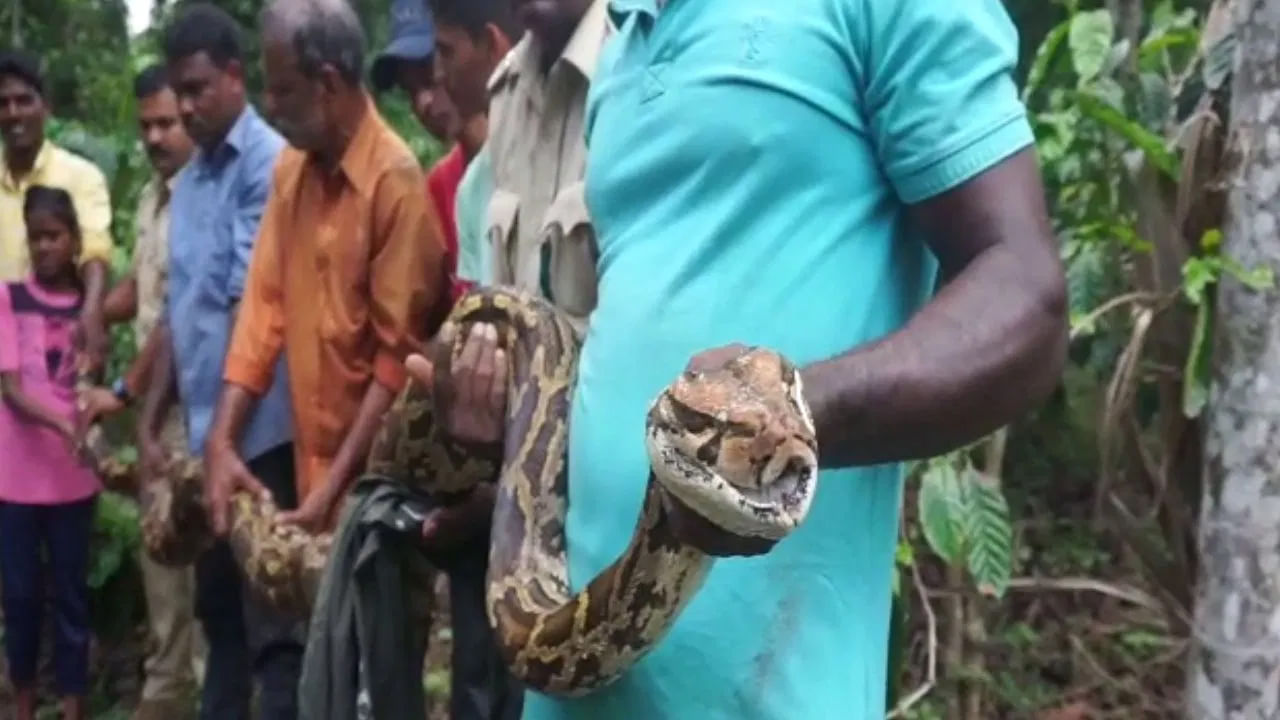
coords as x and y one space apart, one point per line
1045 351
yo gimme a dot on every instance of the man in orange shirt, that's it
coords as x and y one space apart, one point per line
349 252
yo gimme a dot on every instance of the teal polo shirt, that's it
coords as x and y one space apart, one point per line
750 164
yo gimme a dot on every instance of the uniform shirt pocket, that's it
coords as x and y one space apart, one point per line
569 252
500 235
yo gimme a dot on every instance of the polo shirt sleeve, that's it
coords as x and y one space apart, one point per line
258 336
470 206
244 226
938 89
9 358
93 212
406 271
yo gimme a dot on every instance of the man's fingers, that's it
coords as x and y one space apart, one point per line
431 525
498 388
482 378
420 370
244 480
464 370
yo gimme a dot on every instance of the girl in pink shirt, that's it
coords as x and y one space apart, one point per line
47 493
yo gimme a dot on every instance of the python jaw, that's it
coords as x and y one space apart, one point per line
721 443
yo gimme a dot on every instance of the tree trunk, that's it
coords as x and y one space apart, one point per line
1234 667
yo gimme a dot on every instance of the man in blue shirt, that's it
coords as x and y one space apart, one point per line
215 210
796 175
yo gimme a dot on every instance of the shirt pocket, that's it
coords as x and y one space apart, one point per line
568 243
500 235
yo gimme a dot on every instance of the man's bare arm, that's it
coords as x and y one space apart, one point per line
988 347
162 382
121 303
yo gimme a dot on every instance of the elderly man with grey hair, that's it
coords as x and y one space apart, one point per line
349 251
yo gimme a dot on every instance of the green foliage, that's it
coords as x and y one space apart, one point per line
965 520
114 581
1089 35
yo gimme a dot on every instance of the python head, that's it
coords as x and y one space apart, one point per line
737 444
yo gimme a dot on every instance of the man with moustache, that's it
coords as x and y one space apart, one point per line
140 297
217 204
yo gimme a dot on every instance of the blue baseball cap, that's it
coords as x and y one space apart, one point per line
413 37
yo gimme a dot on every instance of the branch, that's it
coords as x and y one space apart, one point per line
1081 584
931 678
1155 300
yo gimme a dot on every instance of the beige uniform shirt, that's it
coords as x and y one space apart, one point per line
537 225
151 272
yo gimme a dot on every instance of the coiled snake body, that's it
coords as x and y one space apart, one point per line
735 445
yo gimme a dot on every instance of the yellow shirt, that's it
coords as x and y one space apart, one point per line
81 179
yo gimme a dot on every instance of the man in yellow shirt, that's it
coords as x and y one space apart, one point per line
29 159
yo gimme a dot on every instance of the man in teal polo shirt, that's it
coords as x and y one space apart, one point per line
797 175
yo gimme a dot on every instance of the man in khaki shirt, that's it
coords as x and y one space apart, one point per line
140 297
537 225
539 238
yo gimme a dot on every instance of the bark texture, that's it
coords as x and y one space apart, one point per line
1234 667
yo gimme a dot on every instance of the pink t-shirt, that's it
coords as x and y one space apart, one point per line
36 466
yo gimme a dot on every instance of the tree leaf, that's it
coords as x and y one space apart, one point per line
989 534
1152 145
1196 373
941 509
1197 274
1047 51
1090 39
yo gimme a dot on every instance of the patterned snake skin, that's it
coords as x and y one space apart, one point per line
735 445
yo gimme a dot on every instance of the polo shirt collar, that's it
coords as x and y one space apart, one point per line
43 157
621 8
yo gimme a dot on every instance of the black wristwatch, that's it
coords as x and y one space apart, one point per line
121 391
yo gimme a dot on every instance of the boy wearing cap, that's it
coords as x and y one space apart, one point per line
408 63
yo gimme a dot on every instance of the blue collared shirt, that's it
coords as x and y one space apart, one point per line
214 213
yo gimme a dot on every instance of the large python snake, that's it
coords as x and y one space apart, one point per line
735 445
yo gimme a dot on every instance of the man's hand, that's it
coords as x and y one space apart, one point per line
477 390
477 385
313 514
97 402
225 475
448 528
690 527
152 459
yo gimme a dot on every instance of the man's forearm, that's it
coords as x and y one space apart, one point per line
355 447
989 346
142 369
962 368
95 285
162 385
121 303
228 420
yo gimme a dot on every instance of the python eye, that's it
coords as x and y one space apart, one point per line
692 420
